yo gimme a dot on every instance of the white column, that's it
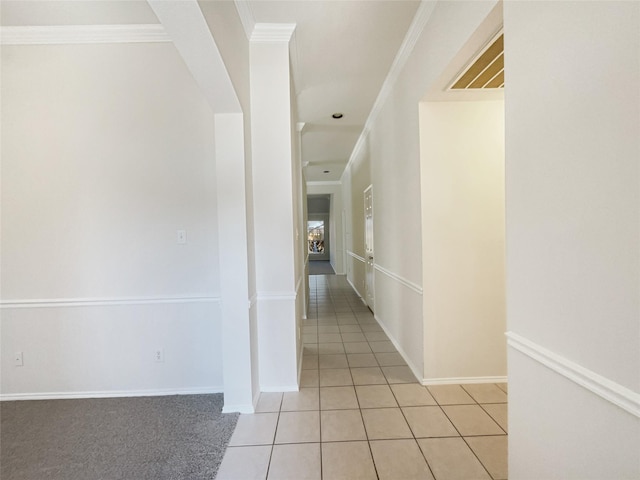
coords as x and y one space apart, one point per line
239 393
273 197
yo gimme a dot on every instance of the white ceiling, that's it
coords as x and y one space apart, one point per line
342 52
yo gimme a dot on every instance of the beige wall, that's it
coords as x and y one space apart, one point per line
390 160
462 172
359 179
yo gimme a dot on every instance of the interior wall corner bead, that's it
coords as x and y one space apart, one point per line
82 34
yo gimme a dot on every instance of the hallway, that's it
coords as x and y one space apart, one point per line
360 413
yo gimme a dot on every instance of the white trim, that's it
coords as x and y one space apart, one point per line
277 296
357 292
464 380
102 302
110 394
609 390
416 371
246 16
272 32
356 256
280 388
243 408
407 283
82 34
420 19
325 183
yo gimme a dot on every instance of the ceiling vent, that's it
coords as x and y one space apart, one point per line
486 71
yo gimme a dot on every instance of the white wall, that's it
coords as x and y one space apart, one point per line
573 236
463 258
107 151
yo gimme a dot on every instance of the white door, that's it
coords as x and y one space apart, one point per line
368 248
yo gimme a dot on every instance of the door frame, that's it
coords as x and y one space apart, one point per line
369 249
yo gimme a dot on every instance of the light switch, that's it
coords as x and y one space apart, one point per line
182 236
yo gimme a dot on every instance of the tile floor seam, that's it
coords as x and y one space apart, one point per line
324 313
467 444
491 416
477 458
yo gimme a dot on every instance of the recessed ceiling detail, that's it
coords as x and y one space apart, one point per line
486 71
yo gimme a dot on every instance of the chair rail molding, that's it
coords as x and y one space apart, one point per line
611 391
104 302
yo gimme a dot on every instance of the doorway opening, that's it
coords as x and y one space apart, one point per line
319 234
462 143
319 228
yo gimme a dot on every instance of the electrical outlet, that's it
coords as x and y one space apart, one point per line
159 355
17 359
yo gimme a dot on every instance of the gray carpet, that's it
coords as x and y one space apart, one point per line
320 268
173 437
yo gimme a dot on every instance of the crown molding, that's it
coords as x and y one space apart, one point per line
272 32
420 19
246 16
82 34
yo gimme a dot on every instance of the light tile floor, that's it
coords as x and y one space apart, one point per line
361 414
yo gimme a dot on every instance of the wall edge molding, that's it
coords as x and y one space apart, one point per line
458 380
356 256
407 283
83 34
102 302
420 19
4 397
605 388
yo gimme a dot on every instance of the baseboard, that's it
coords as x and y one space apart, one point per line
357 292
245 408
464 380
300 364
109 394
282 388
416 372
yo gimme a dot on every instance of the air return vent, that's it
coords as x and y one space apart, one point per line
486 71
